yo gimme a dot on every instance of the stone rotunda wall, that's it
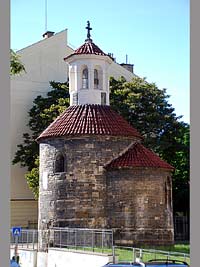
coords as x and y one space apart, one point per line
139 206
135 202
77 196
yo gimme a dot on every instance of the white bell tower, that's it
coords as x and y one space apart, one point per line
88 74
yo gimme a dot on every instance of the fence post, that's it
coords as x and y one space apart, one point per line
60 237
27 244
93 240
102 242
168 256
83 240
22 239
134 256
140 255
75 239
112 239
113 253
33 244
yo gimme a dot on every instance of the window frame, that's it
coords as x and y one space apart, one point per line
96 79
62 164
85 80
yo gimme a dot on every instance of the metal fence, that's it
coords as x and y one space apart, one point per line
27 239
181 228
100 239
139 254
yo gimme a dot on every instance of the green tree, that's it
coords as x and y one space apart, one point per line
147 109
16 66
44 111
32 178
178 155
142 104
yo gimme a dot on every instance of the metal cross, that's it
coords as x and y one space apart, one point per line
88 30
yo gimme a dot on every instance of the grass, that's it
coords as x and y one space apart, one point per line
126 254
182 248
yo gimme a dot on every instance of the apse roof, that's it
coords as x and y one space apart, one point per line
138 156
88 48
89 119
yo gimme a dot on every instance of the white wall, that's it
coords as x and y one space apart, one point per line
117 71
60 258
43 62
28 258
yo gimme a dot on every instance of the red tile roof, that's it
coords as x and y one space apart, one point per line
88 48
138 156
89 120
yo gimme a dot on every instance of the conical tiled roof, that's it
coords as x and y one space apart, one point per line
89 120
88 48
138 156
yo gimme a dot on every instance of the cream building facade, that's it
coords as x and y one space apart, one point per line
43 62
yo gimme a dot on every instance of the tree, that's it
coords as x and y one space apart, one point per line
142 104
43 112
147 109
16 66
32 178
178 155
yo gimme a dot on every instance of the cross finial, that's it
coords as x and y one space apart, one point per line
88 31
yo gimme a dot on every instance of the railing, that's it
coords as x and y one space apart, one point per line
27 239
83 238
98 240
134 254
181 229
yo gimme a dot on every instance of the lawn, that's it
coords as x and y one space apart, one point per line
148 252
158 252
182 248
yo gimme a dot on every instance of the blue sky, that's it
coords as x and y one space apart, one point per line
153 33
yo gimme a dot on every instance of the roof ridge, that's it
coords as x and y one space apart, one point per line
136 155
121 153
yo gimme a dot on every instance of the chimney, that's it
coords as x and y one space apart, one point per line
128 67
48 34
112 57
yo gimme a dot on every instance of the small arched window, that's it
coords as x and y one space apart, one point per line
96 79
60 163
168 192
85 79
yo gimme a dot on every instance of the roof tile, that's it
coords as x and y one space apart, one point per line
138 156
88 48
89 120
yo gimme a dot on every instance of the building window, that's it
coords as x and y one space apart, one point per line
168 192
96 79
60 163
103 98
85 78
75 99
